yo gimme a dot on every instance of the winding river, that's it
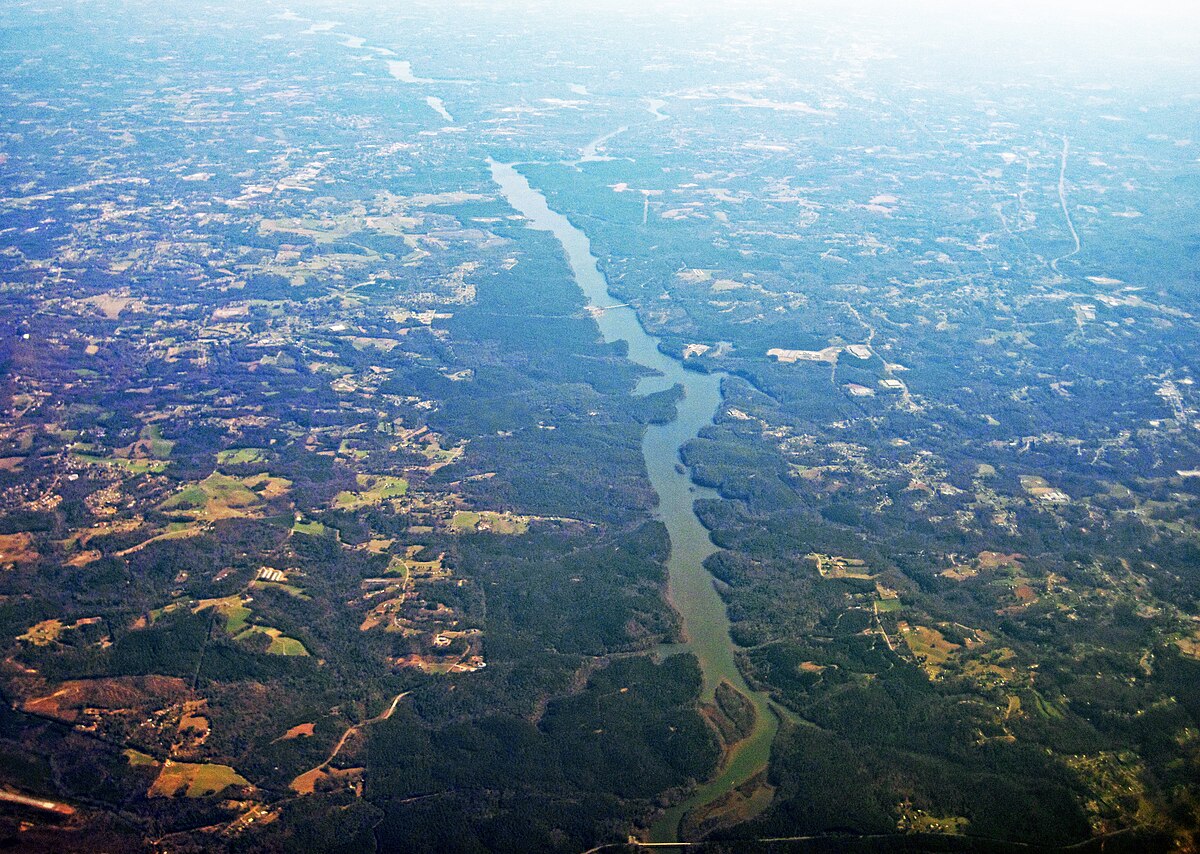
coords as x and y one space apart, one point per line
690 585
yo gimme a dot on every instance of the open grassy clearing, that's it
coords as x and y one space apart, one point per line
280 643
84 454
220 496
267 487
1189 645
374 490
289 589
440 457
488 521
138 759
49 631
832 566
44 633
232 608
310 528
17 548
929 647
153 444
241 456
185 779
299 731
983 562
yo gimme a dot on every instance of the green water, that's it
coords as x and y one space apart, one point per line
690 587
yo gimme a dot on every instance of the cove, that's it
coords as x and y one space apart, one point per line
690 585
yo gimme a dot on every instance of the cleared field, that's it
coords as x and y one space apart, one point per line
918 821
312 529
48 631
375 489
438 456
298 731
241 456
232 608
154 443
185 779
993 669
833 566
828 355
218 496
487 521
289 589
280 643
929 647
1190 645
70 699
138 759
110 305
44 633
266 487
1039 488
131 466
983 562
17 548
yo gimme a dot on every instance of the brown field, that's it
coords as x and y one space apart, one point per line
17 548
120 692
996 560
84 558
268 488
44 633
983 562
326 778
298 731
929 647
1025 593
1190 645
307 782
192 717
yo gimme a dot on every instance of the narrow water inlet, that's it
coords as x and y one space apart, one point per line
690 585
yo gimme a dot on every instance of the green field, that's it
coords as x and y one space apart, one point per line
289 589
131 466
241 456
375 490
218 496
154 442
280 643
488 521
312 529
138 759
